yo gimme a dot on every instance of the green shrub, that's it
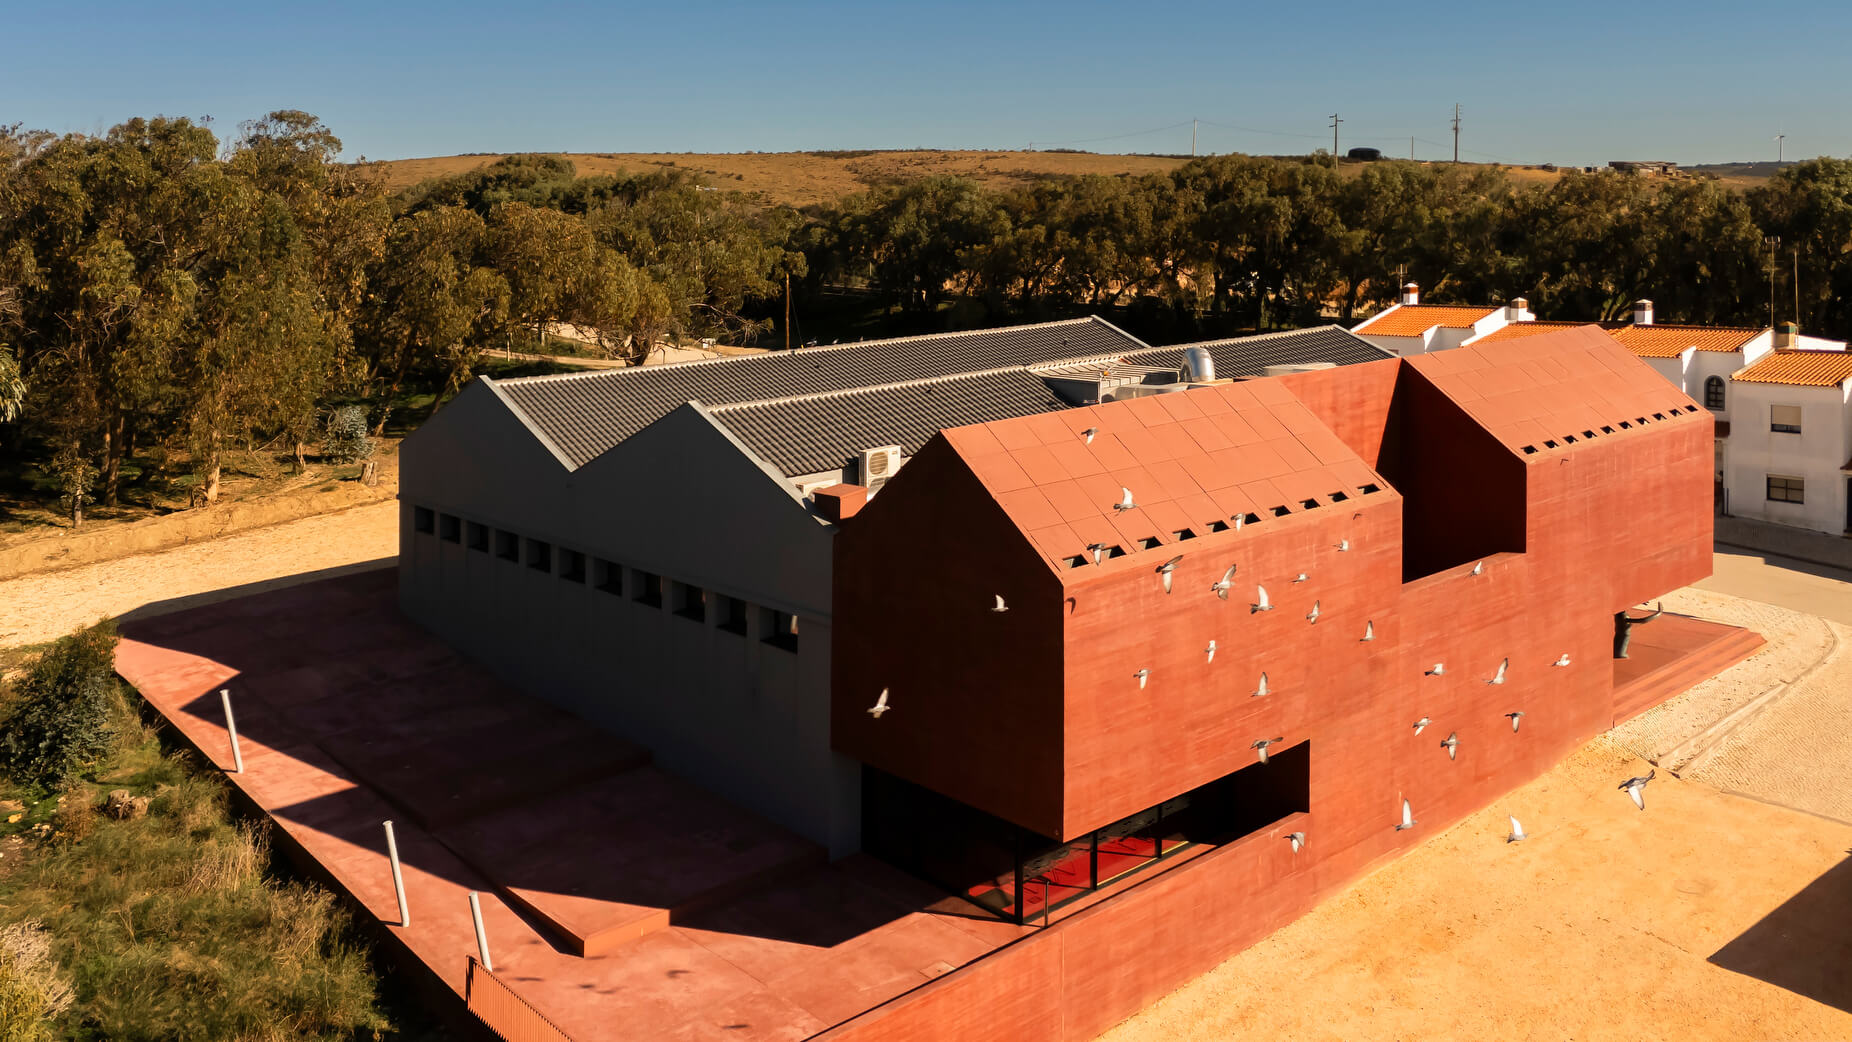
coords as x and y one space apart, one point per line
61 709
32 990
347 435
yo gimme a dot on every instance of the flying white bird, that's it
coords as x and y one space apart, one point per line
1221 586
1089 433
1000 606
1479 568
1369 631
1452 743
1515 717
1298 840
1499 677
1125 500
1261 691
1421 724
1098 550
1564 661
1517 832
1408 817
1142 675
1439 670
1166 568
880 705
1211 650
1262 746
1263 604
1301 577
1312 616
1635 785
1343 545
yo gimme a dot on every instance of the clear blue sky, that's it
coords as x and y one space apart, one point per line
1569 82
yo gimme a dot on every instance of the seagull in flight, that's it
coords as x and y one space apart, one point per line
1263 604
1089 433
1517 832
1261 691
1262 746
1142 675
1515 717
1634 786
1221 586
1452 743
1343 545
880 705
1563 661
1211 650
1098 550
1499 677
1439 670
1408 817
1369 631
1312 616
1000 606
1166 568
1301 577
1298 840
1421 724
1125 500
1478 568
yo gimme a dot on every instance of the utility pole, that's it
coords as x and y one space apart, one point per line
1456 131
1193 123
1773 242
1781 148
1411 146
1797 288
1334 140
787 311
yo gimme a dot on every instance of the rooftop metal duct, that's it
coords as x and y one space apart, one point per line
1198 366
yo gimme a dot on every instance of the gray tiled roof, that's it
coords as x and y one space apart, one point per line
586 413
1251 355
816 433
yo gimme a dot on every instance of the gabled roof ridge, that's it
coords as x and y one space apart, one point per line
846 392
811 351
1624 324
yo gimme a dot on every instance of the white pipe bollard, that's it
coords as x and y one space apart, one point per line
398 878
231 727
482 939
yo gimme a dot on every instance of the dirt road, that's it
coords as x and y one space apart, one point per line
41 607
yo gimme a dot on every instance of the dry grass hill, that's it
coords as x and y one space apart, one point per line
802 178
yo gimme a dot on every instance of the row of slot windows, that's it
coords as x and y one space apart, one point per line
1152 542
1570 439
686 600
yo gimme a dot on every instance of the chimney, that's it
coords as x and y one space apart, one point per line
1518 310
1787 336
839 503
1642 312
1411 294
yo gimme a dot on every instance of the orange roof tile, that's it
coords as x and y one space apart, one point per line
1192 460
1415 319
1520 330
1800 368
1666 341
1559 387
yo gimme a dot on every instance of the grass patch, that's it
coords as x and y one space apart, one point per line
174 925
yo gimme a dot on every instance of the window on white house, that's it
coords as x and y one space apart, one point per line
1784 419
1782 489
1713 393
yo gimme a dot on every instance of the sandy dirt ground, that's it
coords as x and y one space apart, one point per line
41 607
1707 916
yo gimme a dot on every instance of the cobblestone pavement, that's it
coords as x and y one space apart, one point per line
1777 726
41 607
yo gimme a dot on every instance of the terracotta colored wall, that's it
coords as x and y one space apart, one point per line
1353 400
976 694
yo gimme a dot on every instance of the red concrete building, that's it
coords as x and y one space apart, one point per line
1444 538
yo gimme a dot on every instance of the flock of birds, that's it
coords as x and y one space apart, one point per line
1262 602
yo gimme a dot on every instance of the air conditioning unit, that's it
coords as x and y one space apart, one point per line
879 464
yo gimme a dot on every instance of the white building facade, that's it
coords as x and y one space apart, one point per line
1790 458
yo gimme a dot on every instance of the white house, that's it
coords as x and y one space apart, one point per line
1790 458
1414 328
